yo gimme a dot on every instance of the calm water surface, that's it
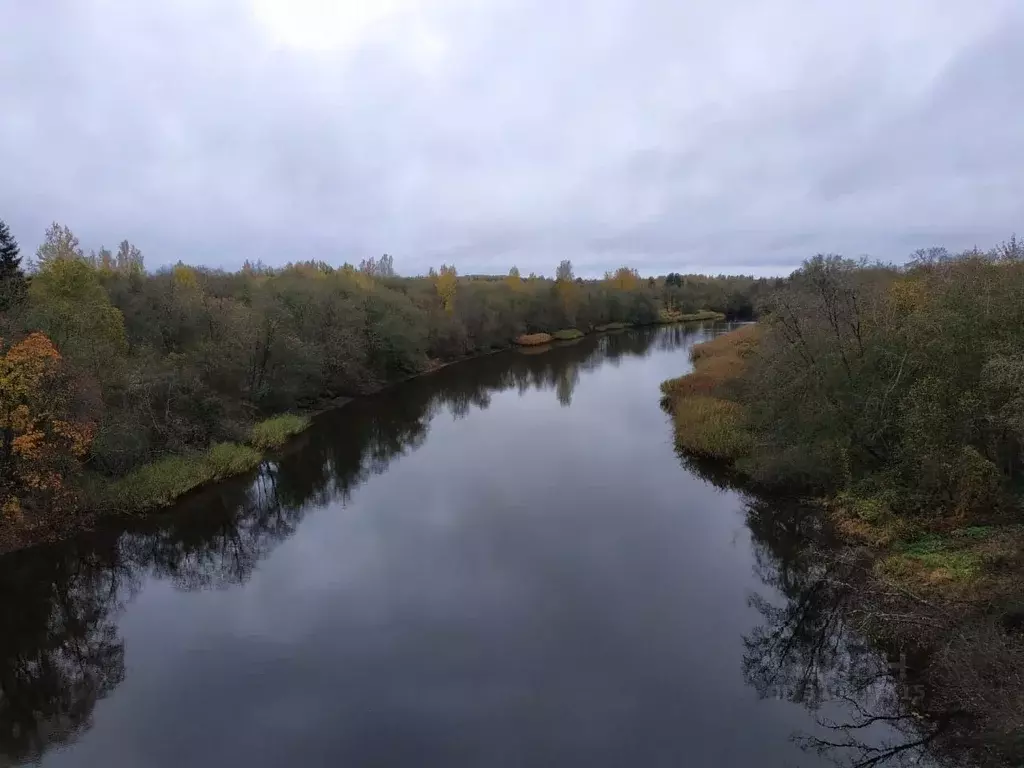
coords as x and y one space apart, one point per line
500 564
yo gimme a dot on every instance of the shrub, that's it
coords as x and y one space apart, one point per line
275 432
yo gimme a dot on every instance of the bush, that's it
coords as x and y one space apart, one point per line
275 432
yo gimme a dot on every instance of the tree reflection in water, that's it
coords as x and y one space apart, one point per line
60 651
869 710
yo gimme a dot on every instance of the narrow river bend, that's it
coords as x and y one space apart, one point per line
501 564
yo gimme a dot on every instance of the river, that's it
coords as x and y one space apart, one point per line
503 563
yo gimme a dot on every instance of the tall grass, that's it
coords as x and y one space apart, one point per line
533 339
707 422
710 427
738 343
568 334
161 482
274 432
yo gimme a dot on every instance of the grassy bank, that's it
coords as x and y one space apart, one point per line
568 334
160 483
534 339
675 316
163 481
276 431
708 422
947 581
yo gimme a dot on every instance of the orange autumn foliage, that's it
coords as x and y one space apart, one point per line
41 444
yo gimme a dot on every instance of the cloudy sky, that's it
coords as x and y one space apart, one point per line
725 136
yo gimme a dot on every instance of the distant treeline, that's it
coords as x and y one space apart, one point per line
108 367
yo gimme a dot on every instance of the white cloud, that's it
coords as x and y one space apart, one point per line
741 134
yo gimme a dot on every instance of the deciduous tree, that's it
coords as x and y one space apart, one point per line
446 283
41 445
67 302
60 244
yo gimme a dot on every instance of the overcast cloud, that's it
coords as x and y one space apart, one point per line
725 136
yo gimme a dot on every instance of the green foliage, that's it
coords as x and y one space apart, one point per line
59 244
275 432
940 565
168 363
226 459
68 304
897 384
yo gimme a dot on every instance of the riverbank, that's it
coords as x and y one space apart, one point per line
944 587
665 317
167 480
158 484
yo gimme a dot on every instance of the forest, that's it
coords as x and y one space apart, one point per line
122 387
892 398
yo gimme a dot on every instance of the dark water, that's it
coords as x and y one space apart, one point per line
501 564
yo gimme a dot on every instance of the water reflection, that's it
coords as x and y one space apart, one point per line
60 650
866 704
59 647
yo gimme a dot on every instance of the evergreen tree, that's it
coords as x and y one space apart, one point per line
12 278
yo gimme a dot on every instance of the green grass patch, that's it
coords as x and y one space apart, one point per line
568 334
936 559
932 566
275 432
611 327
158 484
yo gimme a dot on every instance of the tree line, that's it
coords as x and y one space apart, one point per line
106 366
903 385
895 397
